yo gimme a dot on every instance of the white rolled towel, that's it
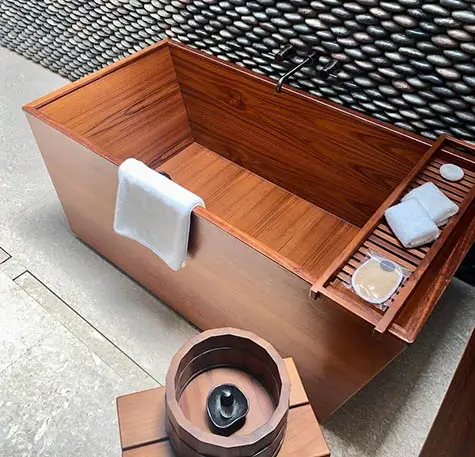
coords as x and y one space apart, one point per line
437 205
411 224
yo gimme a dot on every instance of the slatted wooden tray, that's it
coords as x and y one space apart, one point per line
376 236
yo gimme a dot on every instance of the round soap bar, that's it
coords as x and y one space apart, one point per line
451 172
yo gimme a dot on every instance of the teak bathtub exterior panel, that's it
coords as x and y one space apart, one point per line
358 162
225 283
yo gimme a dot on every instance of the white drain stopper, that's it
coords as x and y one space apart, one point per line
451 172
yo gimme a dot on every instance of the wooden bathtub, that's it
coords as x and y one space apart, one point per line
294 186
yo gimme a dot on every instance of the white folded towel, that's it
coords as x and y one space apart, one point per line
411 224
154 211
437 205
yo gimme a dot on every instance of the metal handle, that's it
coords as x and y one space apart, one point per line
330 70
284 53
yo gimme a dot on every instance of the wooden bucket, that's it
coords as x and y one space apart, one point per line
227 356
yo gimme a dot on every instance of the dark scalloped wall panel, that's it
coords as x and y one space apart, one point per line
408 62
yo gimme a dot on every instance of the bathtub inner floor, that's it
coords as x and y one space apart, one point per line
307 235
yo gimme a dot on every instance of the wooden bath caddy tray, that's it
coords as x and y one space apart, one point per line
143 432
376 235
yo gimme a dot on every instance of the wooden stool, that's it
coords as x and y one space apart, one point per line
142 424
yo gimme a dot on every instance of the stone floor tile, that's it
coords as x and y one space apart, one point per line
4 256
12 268
121 363
59 400
23 323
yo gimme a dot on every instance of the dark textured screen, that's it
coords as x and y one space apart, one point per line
408 62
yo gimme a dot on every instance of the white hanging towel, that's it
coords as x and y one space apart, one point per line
438 206
154 211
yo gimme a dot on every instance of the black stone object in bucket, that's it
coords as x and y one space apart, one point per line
227 408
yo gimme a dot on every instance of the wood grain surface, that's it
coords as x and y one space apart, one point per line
287 224
227 282
195 411
376 236
453 431
136 111
335 160
140 421
304 438
142 424
234 348
433 283
373 222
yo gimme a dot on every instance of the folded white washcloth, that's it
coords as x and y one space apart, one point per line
437 205
154 211
411 224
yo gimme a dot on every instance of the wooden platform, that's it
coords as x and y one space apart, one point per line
143 431
304 233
